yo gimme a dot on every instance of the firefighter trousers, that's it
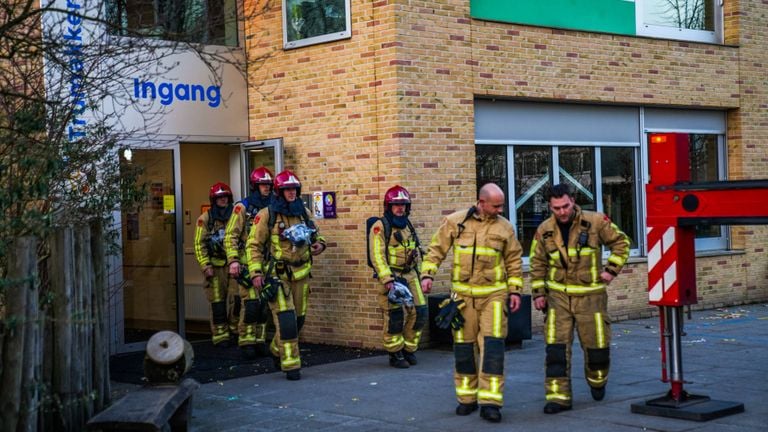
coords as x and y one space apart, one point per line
220 291
285 344
588 315
403 324
252 327
478 349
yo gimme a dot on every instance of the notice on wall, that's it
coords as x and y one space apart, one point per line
169 204
324 205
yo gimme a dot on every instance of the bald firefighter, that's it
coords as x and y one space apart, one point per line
486 283
394 253
279 250
253 314
568 282
212 258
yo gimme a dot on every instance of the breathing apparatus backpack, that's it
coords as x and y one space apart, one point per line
387 233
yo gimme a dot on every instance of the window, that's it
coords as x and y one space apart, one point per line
696 20
309 22
707 165
211 22
577 166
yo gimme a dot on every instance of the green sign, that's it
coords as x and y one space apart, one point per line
608 16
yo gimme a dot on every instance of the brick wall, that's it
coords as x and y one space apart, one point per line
394 104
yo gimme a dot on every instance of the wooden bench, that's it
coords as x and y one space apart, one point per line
160 407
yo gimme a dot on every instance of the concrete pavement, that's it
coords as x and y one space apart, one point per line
725 357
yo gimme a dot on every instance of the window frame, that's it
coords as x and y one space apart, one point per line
665 32
115 30
703 244
314 40
639 236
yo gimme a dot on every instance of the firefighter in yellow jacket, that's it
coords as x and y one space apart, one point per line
281 244
212 258
253 314
568 281
486 279
394 254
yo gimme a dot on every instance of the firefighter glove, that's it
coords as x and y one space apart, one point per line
450 314
268 292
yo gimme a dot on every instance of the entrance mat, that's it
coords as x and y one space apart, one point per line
220 364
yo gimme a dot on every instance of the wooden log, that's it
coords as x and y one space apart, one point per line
19 265
62 275
33 360
83 367
101 383
168 357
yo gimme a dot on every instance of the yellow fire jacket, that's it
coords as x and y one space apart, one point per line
574 266
209 243
236 235
398 255
487 257
296 259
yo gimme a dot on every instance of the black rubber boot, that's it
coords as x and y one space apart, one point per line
597 393
554 408
410 357
490 413
293 375
396 360
248 352
466 409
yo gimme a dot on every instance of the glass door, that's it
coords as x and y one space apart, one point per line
150 297
268 153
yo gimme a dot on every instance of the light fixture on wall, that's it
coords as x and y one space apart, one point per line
128 154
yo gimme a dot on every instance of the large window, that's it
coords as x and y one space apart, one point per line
599 151
697 20
579 167
706 164
308 22
211 22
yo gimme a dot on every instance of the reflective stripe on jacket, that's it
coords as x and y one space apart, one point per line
236 236
296 259
486 256
575 269
202 236
394 255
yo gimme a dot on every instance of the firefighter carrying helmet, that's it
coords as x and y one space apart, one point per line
287 180
219 190
397 195
261 175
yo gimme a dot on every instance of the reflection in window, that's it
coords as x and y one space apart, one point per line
681 14
212 22
577 169
491 164
705 166
703 163
619 189
532 178
314 21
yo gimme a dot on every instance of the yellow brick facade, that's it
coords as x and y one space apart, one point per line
394 105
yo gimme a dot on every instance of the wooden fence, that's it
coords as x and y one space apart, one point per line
54 352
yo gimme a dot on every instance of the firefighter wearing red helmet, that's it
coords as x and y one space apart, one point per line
212 258
279 252
253 314
393 248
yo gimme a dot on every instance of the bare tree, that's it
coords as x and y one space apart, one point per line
684 14
62 63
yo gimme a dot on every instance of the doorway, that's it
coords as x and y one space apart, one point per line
149 249
161 285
